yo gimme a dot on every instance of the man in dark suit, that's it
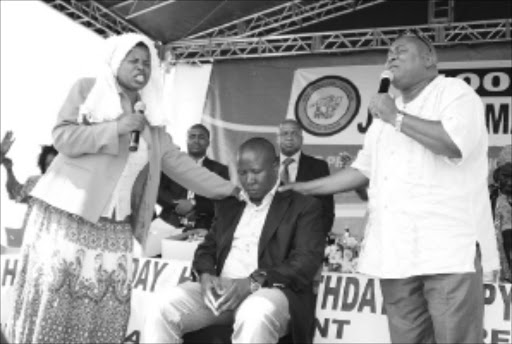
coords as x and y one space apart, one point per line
255 267
181 207
299 167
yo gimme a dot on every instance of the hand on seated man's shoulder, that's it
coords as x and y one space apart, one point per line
237 192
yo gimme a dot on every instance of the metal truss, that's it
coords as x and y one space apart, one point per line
442 34
441 11
132 8
284 18
93 16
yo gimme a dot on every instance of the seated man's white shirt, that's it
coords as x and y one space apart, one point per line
424 207
242 259
293 167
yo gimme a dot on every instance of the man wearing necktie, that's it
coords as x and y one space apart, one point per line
298 167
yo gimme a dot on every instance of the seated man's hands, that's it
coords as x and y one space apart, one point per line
211 288
221 294
183 207
237 292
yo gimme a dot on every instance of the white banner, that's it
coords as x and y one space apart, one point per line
332 102
349 310
150 277
349 306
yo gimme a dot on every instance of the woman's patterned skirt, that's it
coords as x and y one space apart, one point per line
73 282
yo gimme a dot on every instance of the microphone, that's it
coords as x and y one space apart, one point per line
385 81
139 107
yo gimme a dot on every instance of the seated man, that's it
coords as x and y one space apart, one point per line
181 207
255 267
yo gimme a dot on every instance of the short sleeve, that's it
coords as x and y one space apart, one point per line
363 161
462 115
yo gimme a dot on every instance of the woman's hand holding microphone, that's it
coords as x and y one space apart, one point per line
128 122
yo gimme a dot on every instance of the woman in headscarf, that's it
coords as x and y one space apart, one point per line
74 280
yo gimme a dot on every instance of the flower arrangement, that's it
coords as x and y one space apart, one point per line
341 253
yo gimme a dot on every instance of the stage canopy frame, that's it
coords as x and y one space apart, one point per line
211 30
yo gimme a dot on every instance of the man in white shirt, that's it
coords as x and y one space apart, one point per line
255 267
426 161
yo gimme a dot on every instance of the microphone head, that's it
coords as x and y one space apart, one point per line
387 75
139 106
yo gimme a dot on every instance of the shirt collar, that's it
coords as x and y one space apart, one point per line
295 157
266 200
200 161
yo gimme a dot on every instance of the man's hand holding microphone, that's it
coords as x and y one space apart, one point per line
382 105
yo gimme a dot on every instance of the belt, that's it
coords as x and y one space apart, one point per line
112 219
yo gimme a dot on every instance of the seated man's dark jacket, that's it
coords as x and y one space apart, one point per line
311 168
170 191
290 250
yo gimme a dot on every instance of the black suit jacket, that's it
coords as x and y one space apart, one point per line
312 168
170 191
290 251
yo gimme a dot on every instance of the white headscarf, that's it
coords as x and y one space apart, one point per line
103 102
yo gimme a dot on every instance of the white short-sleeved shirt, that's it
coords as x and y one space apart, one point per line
426 211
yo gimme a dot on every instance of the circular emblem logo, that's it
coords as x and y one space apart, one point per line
327 105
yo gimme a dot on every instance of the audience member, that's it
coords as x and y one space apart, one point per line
255 267
182 207
20 192
73 283
426 160
501 200
297 167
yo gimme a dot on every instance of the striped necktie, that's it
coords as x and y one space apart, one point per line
285 173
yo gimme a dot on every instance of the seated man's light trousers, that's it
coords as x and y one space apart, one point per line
263 317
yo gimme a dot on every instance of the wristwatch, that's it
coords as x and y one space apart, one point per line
255 285
257 280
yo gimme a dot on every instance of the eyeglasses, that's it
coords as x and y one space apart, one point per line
422 38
